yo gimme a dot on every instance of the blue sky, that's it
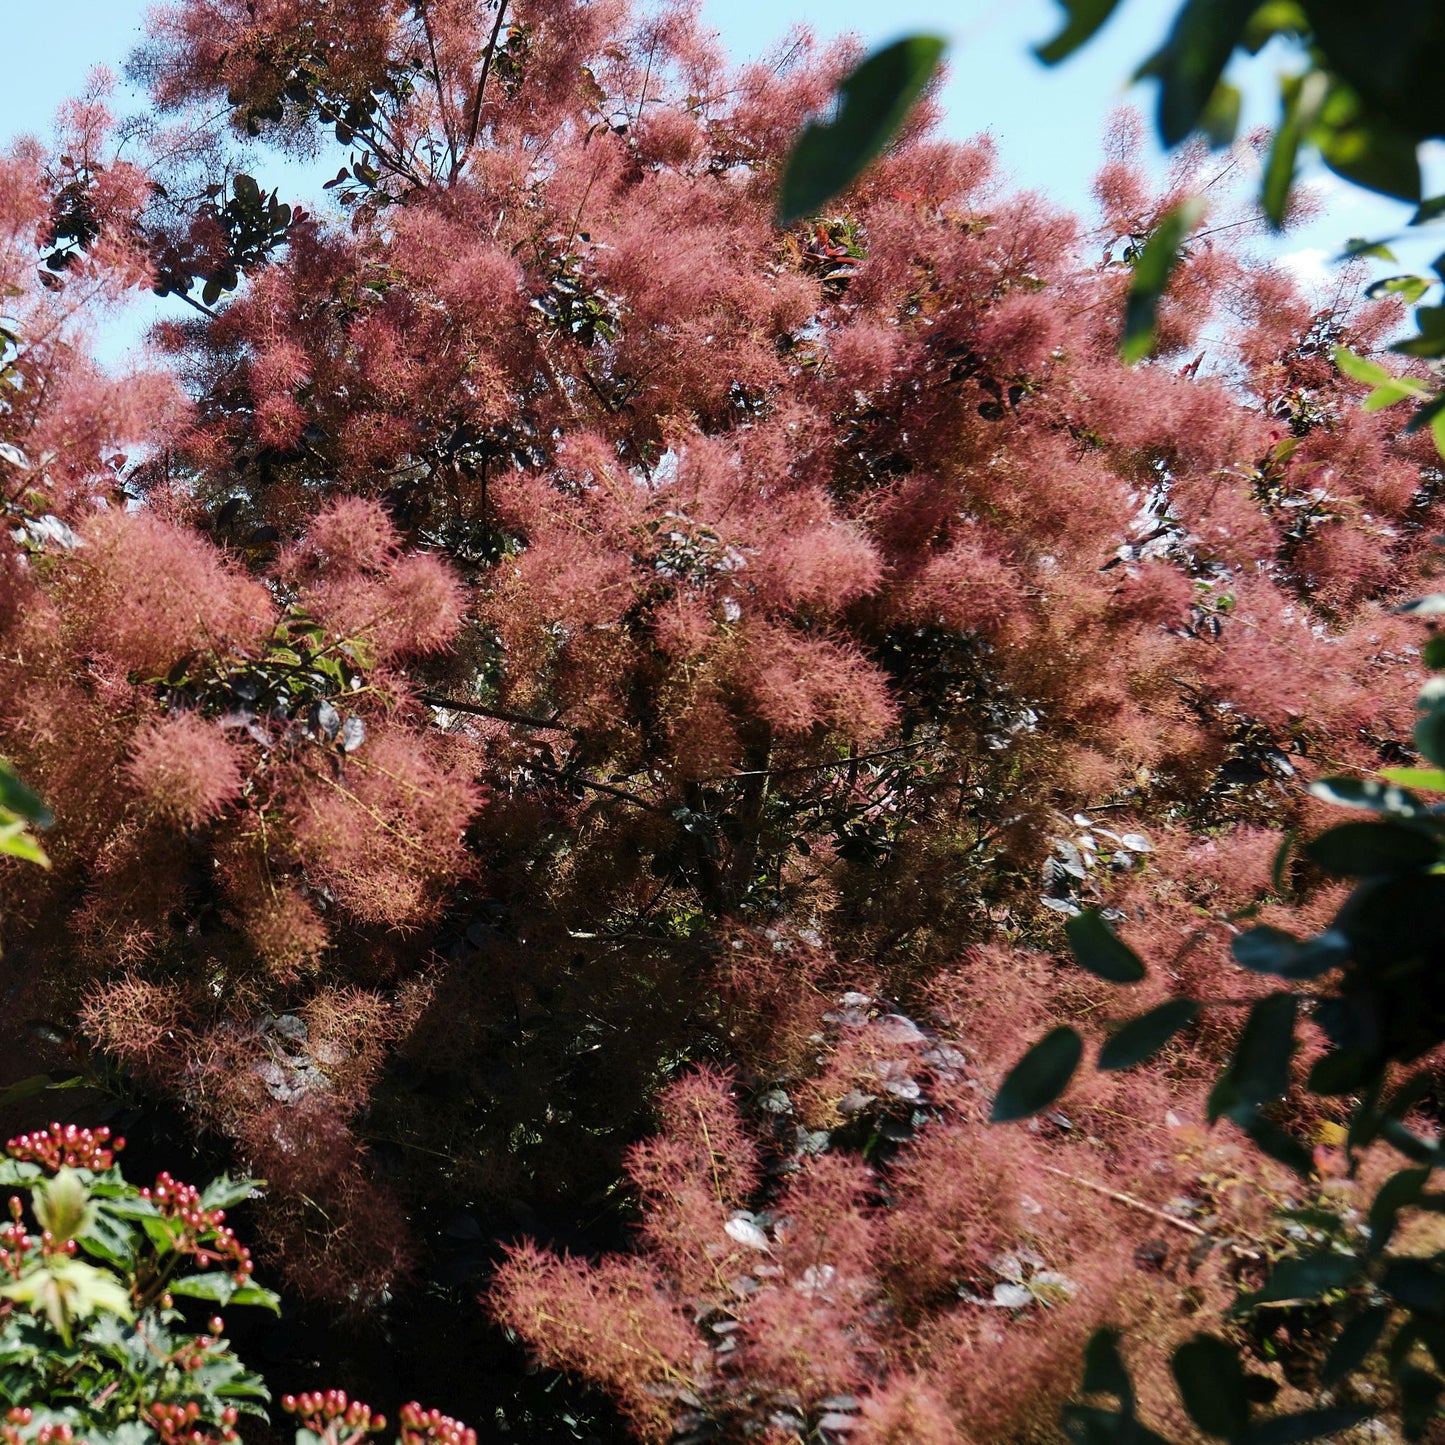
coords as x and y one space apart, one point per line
1048 123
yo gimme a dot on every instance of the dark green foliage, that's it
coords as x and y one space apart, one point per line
873 103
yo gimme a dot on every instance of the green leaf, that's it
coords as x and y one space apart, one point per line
23 800
1259 1069
1357 368
1368 850
1408 288
1353 1344
226 1193
1429 210
1301 98
1429 735
1271 950
1386 797
1431 605
1365 147
873 102
16 841
1141 1038
1417 1284
1431 779
1220 119
215 1286
1271 1140
253 1294
1085 19
1039 1077
1212 1386
1398 1191
1358 246
1100 950
1306 1277
1191 61
1152 271
62 1205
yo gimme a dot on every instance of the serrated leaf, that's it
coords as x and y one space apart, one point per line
874 100
1141 1038
1100 950
1039 1077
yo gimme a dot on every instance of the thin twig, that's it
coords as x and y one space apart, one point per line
475 124
1128 1199
501 714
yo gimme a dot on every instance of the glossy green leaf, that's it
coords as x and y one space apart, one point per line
873 102
1152 272
1212 1386
1039 1077
1141 1038
215 1286
1100 950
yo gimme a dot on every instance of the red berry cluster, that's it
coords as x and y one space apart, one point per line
331 1415
18 1417
431 1427
181 1424
59 1147
210 1240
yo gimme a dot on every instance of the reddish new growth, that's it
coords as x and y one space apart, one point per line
179 1424
431 1427
66 1147
207 1237
17 1420
333 1416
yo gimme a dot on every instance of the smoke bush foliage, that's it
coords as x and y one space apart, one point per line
547 626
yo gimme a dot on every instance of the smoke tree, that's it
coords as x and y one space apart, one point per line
548 627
